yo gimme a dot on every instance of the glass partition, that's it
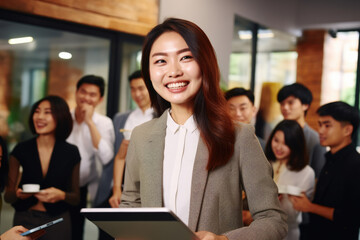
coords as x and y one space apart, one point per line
275 56
37 61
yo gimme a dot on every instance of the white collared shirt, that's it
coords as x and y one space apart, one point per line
181 143
81 137
136 118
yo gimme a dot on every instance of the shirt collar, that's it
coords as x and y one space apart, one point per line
339 154
190 124
148 112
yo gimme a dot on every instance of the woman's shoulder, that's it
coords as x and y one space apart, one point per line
243 130
152 126
68 149
26 144
306 171
67 145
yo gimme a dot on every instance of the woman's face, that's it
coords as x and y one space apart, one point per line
174 73
44 121
280 149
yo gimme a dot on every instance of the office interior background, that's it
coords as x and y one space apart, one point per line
261 45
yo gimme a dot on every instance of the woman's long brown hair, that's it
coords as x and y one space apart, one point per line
216 127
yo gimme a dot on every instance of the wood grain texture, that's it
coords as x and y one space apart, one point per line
134 17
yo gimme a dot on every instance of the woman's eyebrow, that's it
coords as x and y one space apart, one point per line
166 54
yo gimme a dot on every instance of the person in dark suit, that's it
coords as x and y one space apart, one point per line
335 210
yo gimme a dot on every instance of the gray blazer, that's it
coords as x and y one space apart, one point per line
216 196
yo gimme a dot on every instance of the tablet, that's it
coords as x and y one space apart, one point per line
139 223
41 227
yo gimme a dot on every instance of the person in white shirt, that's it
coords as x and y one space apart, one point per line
94 136
240 104
241 107
286 150
124 123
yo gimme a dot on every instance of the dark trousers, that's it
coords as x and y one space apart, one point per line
78 220
32 218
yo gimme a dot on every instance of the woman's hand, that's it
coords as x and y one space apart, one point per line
50 195
114 201
14 234
204 235
20 194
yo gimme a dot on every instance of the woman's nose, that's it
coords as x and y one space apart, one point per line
40 115
174 70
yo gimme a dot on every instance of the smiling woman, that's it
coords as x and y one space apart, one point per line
49 161
174 72
197 160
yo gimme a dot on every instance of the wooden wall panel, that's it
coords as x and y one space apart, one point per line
134 17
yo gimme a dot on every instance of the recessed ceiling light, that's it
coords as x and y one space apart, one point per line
65 55
20 40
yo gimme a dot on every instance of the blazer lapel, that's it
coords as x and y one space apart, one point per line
154 162
198 185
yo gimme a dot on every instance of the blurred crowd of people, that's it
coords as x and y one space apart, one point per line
192 148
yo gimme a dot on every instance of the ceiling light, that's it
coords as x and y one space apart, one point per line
20 40
262 33
245 34
65 55
265 34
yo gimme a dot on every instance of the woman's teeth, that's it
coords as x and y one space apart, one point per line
176 85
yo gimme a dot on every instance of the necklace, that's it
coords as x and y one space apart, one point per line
278 168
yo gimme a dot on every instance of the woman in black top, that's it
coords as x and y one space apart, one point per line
51 162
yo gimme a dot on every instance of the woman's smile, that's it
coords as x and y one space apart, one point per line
174 72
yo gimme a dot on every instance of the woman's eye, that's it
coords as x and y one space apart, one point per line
186 57
160 61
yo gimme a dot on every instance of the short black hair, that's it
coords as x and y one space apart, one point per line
341 112
135 75
235 92
92 79
4 168
297 90
61 114
295 140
